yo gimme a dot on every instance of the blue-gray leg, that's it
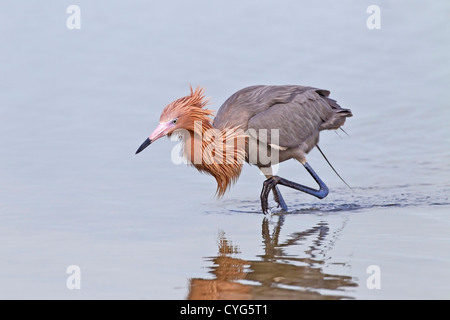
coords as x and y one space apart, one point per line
279 198
271 184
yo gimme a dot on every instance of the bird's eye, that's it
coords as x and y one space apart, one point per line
174 121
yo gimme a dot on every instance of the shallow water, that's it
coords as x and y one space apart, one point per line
76 104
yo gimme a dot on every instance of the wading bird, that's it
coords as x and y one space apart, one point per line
281 120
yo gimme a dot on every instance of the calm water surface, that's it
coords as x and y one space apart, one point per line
76 104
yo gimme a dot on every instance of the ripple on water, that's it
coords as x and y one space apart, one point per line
364 198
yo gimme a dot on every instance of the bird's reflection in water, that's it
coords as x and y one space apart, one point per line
276 274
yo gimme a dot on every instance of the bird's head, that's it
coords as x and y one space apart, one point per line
181 114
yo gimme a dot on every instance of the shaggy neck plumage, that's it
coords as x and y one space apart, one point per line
209 150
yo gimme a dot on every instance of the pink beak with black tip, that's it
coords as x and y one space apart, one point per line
160 131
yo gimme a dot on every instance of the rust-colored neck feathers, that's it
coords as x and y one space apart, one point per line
220 153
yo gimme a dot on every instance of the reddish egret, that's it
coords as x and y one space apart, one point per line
295 114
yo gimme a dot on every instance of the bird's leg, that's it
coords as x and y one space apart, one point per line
279 198
272 182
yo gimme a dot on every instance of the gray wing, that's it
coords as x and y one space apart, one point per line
250 101
297 112
296 121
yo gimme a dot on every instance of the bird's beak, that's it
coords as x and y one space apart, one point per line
160 131
144 145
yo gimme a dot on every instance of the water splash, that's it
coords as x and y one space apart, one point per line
363 198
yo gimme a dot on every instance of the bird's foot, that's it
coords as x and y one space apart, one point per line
268 185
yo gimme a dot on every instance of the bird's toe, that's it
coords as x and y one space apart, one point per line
268 185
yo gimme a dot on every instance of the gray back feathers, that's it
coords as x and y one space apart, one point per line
298 112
